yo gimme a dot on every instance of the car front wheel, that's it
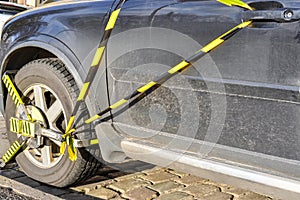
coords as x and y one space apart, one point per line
48 87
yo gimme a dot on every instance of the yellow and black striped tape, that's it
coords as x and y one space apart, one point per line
12 151
178 68
158 81
94 65
27 129
235 3
13 92
88 81
16 125
173 71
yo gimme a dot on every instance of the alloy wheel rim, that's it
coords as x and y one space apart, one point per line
44 98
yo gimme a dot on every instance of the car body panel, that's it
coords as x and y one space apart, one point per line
259 69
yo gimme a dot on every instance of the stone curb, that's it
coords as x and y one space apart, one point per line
25 190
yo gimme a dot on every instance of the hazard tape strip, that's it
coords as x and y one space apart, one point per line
26 128
12 151
178 68
23 127
94 65
88 81
235 3
184 64
13 92
157 82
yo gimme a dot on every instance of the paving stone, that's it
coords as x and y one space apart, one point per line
9 173
106 183
189 180
216 196
233 190
130 176
153 170
28 181
126 185
140 194
86 188
175 196
166 186
77 189
159 177
252 195
92 186
200 190
180 174
52 190
103 193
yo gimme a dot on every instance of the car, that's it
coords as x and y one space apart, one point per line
231 116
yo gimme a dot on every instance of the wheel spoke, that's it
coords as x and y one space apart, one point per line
46 155
39 98
54 112
36 152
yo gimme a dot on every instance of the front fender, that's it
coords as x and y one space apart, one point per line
49 44
111 152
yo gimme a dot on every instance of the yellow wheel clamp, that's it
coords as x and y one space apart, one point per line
28 128
17 145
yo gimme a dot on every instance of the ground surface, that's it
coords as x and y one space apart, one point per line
8 193
139 181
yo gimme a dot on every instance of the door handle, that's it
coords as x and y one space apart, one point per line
282 15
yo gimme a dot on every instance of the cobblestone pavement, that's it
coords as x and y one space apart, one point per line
153 183
140 181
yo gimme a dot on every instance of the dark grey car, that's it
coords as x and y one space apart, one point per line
231 117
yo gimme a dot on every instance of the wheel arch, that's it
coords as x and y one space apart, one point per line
15 60
28 51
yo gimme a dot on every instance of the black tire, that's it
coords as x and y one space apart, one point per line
52 74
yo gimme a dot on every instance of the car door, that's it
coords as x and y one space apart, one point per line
239 103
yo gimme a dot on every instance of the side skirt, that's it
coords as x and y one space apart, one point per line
262 183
